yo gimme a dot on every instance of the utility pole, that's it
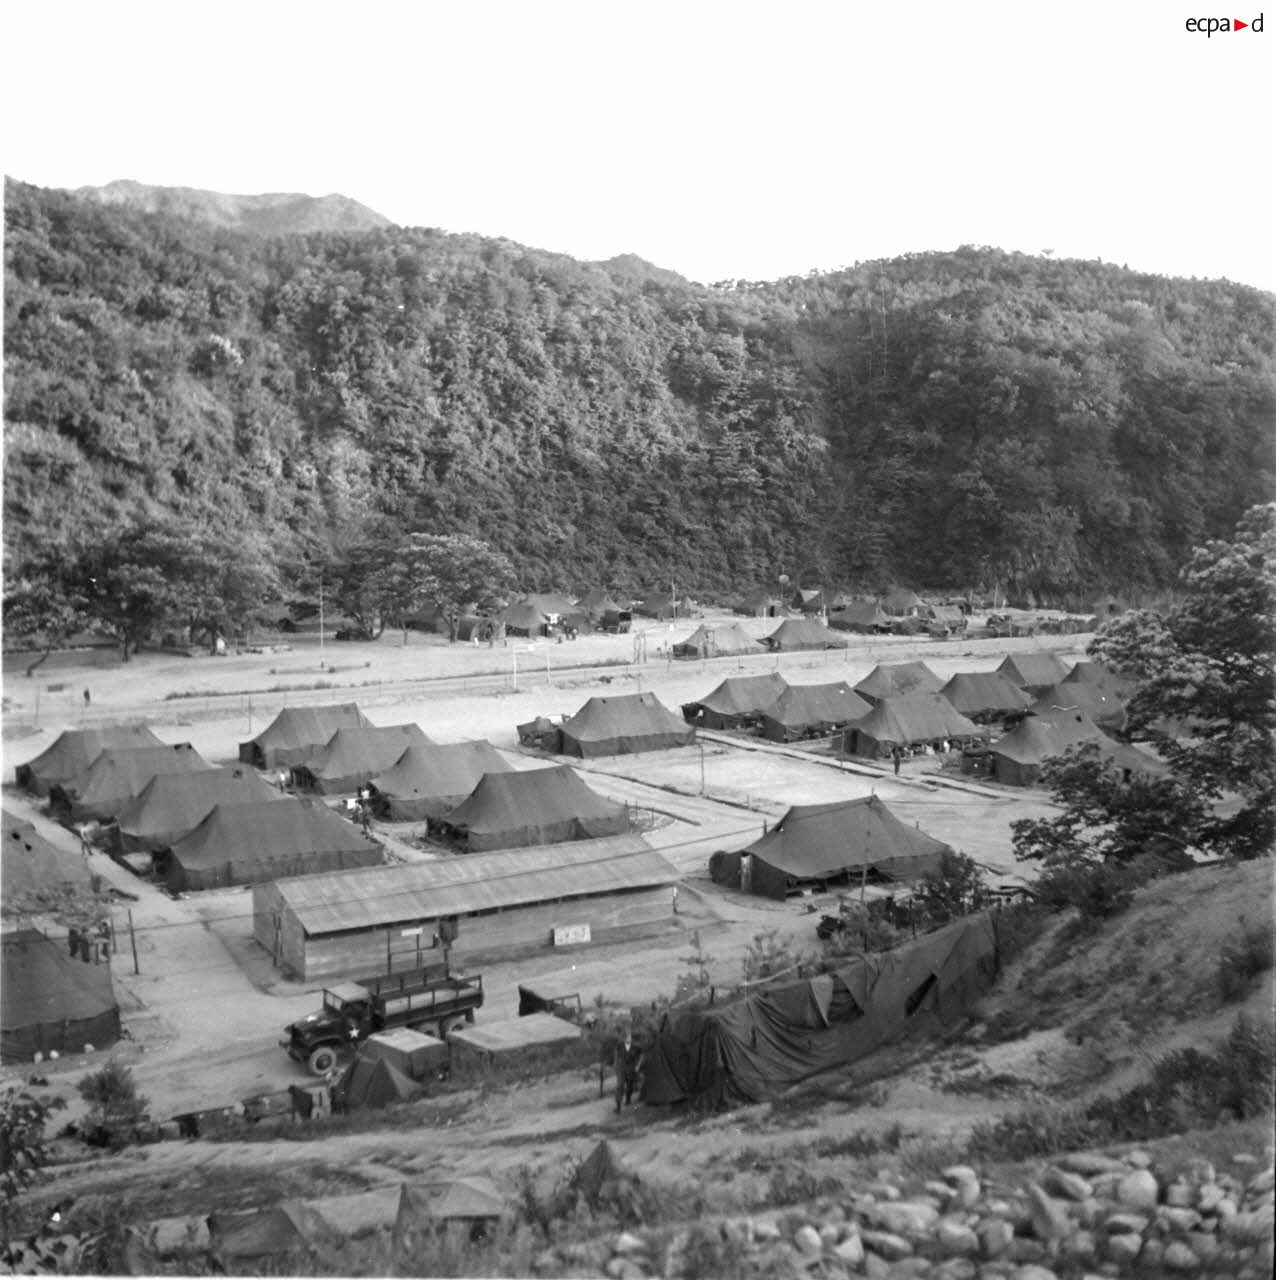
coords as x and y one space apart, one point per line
321 620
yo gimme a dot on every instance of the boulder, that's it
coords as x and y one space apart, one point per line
1062 1182
1178 1257
912 1218
1050 1219
886 1244
1124 1247
808 1241
954 1236
1090 1163
1138 1189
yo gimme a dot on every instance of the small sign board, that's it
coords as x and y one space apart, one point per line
571 935
411 933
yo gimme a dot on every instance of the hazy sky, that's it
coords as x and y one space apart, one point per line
722 140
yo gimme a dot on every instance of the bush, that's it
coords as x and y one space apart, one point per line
1096 890
1243 962
116 1110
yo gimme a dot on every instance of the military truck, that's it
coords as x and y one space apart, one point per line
433 999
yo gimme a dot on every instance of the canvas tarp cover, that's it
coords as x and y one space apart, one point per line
431 779
596 603
524 619
623 725
534 806
1081 697
373 1081
984 693
172 805
298 732
804 709
51 1000
821 841
353 756
287 1234
247 843
888 680
737 698
914 717
541 733
804 633
116 777
718 642
1037 670
74 750
863 616
34 872
749 1050
425 1204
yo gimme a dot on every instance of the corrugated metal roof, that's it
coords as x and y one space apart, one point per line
378 896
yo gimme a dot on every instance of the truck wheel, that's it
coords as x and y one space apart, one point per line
448 1025
322 1060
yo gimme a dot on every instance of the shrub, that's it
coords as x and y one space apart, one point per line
1097 890
116 1109
1244 961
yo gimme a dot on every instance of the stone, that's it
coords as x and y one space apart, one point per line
940 1190
1201 1243
966 1189
1226 1208
1178 1257
627 1242
995 1235
808 1240
1024 1250
1179 1195
1254 1226
1080 1246
1208 1197
851 1250
1091 1212
765 1229
1050 1219
910 1218
1243 1157
625 1269
1061 1182
1031 1271
956 1269
1125 1224
960 1173
876 1267
911 1268
884 1190
1178 1219
1105 1184
830 1233
1264 1181
954 1236
1138 1189
886 1244
1152 1254
1124 1247
1138 1160
1089 1163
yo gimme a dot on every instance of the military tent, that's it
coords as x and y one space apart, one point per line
289 1238
1095 673
623 725
718 642
818 843
247 843
372 1081
426 1206
51 1001
902 603
431 779
116 777
812 711
750 1049
1082 697
1017 757
353 756
1033 672
35 874
760 604
863 617
524 619
659 605
535 806
908 720
297 732
803 633
737 703
173 804
889 680
74 750
985 695
595 603
553 604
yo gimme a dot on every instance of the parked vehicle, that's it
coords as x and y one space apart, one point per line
433 999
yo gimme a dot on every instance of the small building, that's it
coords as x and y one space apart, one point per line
365 922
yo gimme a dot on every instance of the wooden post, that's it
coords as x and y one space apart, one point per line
132 937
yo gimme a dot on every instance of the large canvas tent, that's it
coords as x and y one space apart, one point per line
737 702
297 732
812 710
353 756
524 619
288 1238
752 1048
985 695
372 1081
1098 701
246 843
727 641
172 805
1018 756
431 779
863 617
116 777
51 1001
595 603
34 873
760 604
889 680
74 750
535 806
425 1206
623 725
908 720
1033 672
902 602
818 843
803 633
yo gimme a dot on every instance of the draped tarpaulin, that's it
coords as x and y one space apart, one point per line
748 1050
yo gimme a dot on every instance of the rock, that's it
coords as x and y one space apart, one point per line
995 1235
956 1269
1244 1158
830 1233
954 1236
1138 1189
912 1218
808 1240
1126 1224
1178 1219
1024 1250
851 1250
1201 1243
1031 1271
1226 1208
547 1263
1079 1246
1178 1257
627 1242
940 1190
1151 1255
1138 1160
1061 1182
876 1268
883 1190
1049 1218
765 1229
886 1244
1124 1247
1179 1195
1091 1212
1208 1197
1264 1181
960 1173
965 1180
1105 1184
1089 1163
909 1269
1253 1226
625 1269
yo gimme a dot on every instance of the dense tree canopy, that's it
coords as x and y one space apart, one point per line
947 420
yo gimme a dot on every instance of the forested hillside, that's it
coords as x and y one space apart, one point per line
944 420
